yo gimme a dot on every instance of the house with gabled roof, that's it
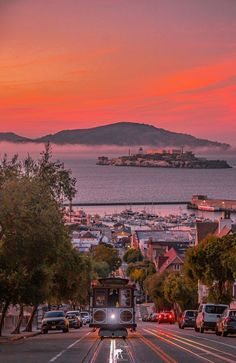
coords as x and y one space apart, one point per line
171 262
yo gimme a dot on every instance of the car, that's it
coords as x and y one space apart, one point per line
208 315
154 317
54 320
166 317
144 317
85 317
79 317
74 320
226 324
187 319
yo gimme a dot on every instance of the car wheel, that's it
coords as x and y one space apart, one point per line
196 329
201 330
44 331
224 333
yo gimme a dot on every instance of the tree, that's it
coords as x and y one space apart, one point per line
180 293
100 269
133 255
211 263
106 253
139 271
71 277
154 284
32 230
52 173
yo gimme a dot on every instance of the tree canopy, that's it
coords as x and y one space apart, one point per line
213 263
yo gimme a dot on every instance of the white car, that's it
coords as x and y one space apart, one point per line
207 316
85 317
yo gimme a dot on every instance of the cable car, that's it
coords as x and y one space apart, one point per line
112 307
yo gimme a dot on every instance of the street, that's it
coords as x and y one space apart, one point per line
151 343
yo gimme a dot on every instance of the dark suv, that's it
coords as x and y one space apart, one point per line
187 319
55 320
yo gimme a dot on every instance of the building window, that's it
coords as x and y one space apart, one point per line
176 267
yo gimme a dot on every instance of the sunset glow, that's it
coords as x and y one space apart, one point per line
78 64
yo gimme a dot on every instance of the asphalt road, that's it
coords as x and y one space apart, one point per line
152 343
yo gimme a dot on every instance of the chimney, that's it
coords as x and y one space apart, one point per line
225 221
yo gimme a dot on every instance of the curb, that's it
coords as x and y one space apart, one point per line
19 337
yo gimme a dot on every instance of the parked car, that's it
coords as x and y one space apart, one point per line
74 320
79 317
166 317
226 324
154 317
85 317
187 319
55 320
149 317
208 315
145 317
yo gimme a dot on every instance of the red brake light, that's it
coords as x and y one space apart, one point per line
159 316
170 316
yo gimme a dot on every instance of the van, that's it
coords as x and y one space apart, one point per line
208 315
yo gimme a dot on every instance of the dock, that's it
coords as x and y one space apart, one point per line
202 202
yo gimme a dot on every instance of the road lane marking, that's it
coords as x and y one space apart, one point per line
67 348
185 349
160 352
160 335
112 358
177 337
198 337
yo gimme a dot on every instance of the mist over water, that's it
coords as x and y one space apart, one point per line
128 184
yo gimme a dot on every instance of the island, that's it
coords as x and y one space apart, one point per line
175 158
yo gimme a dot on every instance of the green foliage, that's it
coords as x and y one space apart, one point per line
100 269
133 255
37 261
213 263
139 271
154 284
178 289
51 173
106 253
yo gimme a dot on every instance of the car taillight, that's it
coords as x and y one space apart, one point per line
159 316
170 316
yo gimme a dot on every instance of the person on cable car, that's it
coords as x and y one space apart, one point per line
113 299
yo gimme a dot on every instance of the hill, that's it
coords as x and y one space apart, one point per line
129 134
11 137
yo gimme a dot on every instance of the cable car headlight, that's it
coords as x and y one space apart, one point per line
113 316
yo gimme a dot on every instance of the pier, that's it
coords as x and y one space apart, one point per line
103 204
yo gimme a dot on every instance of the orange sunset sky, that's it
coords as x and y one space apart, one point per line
68 64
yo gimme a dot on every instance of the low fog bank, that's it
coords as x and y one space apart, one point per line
65 152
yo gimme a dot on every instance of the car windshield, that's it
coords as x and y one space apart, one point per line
84 314
232 313
54 314
191 314
214 309
77 313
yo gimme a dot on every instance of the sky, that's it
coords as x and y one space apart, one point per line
69 64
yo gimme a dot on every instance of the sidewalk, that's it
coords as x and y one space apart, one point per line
7 337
